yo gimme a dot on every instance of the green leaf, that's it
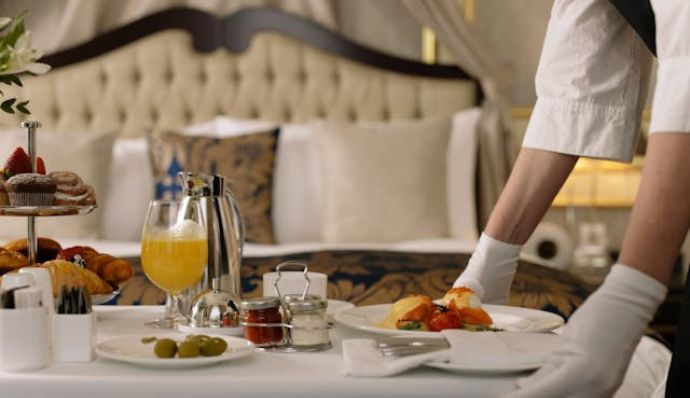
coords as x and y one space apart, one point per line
15 79
413 325
15 30
21 107
7 105
10 80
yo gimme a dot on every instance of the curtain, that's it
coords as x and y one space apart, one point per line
59 24
444 17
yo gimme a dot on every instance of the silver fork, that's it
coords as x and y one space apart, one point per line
397 347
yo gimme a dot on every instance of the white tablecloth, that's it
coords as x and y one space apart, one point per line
259 375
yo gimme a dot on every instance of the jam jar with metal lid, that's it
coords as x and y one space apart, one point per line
309 324
262 321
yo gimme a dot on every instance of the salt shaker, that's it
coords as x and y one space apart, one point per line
309 324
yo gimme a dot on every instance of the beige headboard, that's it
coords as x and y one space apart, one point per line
171 70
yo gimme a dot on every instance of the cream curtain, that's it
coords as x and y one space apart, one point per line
59 24
444 17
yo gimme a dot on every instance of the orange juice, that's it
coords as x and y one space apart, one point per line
173 263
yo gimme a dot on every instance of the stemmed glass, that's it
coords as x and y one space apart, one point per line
174 252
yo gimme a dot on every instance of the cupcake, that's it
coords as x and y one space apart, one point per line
31 189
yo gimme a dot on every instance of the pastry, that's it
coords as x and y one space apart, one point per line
48 249
30 189
410 311
71 190
109 268
4 199
64 273
11 260
460 308
86 199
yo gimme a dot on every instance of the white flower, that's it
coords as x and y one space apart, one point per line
22 58
4 21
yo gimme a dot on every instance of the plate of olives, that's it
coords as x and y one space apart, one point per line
174 350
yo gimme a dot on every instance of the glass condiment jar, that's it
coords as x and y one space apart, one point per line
262 321
309 324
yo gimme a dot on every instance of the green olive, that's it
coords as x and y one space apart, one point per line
165 348
197 339
213 347
188 349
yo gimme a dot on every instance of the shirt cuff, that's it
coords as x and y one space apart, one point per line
583 128
671 107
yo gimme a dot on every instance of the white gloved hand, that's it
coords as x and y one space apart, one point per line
601 337
490 270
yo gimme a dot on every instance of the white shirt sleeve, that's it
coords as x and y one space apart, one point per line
591 83
671 107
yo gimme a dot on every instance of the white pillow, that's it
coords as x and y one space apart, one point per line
298 200
223 126
297 187
384 183
131 189
88 154
462 166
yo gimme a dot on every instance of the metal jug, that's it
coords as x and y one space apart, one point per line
223 221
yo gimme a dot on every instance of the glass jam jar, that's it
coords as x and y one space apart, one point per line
262 321
309 324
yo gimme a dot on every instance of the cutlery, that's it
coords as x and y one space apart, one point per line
396 347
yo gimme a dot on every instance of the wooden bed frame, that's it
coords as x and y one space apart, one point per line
235 31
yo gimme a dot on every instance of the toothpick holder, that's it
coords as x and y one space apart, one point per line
74 337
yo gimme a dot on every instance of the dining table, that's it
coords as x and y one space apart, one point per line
260 374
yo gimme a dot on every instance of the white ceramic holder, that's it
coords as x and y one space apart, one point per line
73 337
24 339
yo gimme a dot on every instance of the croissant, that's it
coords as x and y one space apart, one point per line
48 249
11 260
64 273
109 268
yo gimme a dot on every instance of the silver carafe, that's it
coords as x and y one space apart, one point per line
215 299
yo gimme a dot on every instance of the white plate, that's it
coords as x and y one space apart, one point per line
455 368
188 329
130 349
98 299
511 319
335 306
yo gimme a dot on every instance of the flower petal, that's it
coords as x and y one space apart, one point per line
37 68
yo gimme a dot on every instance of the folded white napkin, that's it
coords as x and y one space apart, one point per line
470 349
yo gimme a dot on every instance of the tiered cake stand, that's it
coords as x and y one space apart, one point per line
31 212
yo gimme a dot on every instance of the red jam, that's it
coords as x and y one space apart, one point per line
262 310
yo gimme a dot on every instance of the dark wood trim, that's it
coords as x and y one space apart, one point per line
235 32
241 26
204 28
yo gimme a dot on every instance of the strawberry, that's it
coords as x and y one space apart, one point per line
18 162
67 254
40 165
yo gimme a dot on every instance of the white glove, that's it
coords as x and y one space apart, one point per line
600 339
490 270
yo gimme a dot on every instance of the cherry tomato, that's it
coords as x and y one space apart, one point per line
445 320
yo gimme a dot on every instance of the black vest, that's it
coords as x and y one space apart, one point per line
640 16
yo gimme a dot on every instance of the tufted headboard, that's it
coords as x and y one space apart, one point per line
184 66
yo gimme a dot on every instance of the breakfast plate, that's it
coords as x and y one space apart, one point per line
132 350
100 299
499 353
496 369
335 306
185 327
510 319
